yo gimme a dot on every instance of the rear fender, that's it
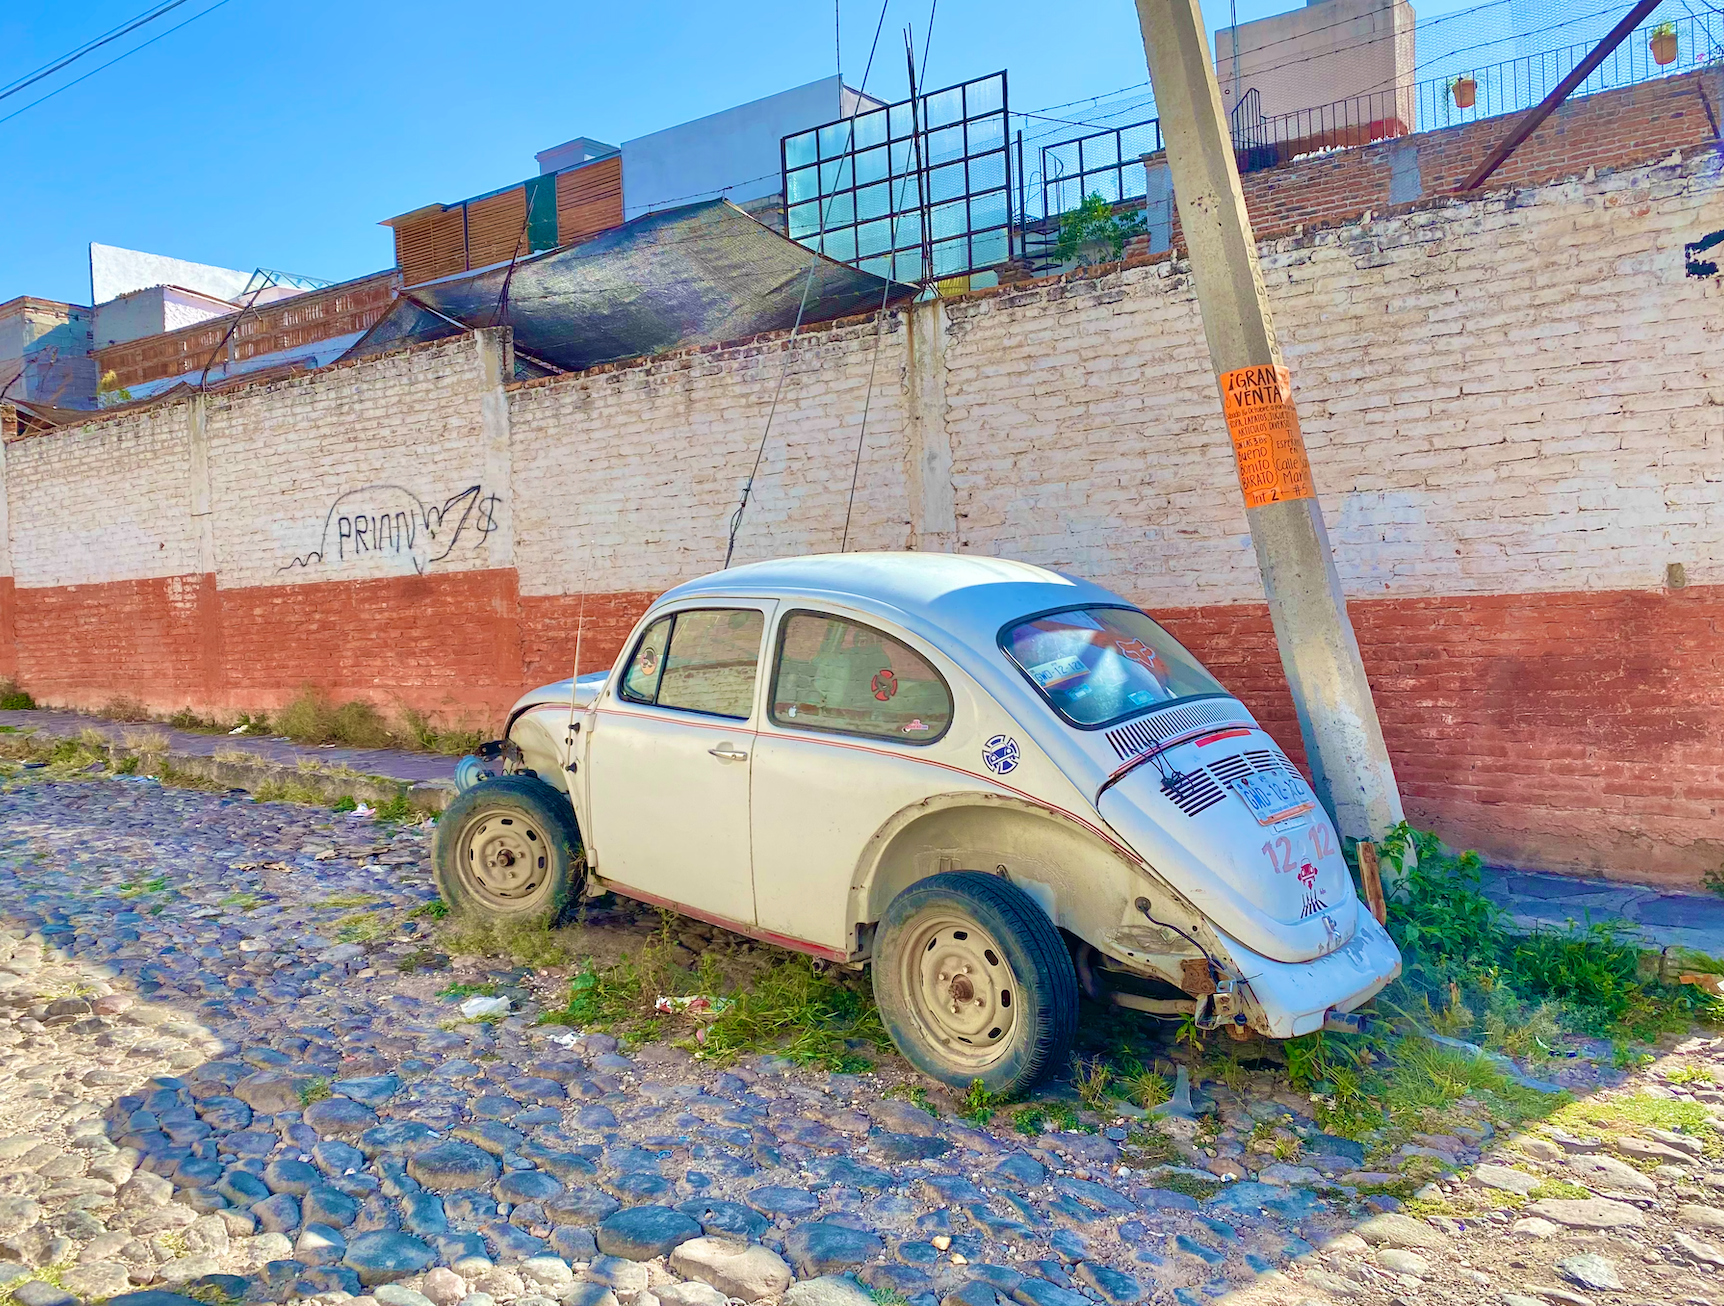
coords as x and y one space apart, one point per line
1087 884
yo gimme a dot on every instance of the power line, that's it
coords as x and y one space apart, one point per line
53 66
127 55
807 285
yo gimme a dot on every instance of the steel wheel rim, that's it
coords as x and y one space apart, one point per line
960 989
505 859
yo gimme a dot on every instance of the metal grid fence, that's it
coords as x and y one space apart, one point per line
914 191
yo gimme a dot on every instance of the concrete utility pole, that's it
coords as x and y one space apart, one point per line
1319 653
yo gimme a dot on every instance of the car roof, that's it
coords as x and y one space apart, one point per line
964 595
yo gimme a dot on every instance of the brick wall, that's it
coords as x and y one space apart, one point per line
1612 129
1511 403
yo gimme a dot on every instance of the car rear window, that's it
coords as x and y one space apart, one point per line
840 675
1097 665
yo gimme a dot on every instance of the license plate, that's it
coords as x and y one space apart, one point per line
1273 798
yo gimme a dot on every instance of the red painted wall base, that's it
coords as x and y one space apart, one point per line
1582 731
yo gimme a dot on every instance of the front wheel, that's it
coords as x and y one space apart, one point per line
974 983
508 850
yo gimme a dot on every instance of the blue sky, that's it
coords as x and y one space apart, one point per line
277 134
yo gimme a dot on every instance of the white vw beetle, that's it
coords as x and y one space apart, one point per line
997 784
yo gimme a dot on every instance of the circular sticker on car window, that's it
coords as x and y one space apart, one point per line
884 684
1000 754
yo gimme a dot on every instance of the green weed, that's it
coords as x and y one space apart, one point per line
436 910
317 1090
915 1093
13 698
979 1104
1147 1088
455 992
242 901
1462 959
312 718
1093 1078
1030 1119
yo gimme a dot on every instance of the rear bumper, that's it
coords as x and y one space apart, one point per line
1289 998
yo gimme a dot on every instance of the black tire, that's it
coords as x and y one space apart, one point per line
983 946
509 850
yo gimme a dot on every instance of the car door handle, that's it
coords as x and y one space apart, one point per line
730 754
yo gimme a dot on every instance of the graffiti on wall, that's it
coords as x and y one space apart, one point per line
392 523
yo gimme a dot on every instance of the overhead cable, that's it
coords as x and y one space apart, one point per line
116 59
54 65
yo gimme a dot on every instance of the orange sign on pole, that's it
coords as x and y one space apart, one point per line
1258 405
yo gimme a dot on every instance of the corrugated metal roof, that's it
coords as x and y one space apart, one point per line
700 274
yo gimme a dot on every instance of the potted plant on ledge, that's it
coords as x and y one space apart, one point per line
1663 44
1465 89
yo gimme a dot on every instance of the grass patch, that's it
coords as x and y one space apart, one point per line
529 943
133 889
317 1090
314 718
917 1095
1191 1185
1611 1115
455 992
1093 1079
1037 1117
348 900
362 927
242 901
288 790
1560 1189
782 1006
13 697
124 708
435 910
423 957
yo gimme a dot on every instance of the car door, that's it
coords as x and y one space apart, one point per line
852 718
669 759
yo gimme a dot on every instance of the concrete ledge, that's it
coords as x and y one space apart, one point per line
149 752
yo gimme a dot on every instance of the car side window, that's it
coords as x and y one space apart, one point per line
640 681
700 661
839 675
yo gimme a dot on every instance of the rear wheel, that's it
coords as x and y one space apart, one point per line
508 849
974 983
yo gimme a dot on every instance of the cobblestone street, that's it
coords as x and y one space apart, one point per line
206 1089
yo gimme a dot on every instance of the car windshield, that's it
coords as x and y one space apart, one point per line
1096 665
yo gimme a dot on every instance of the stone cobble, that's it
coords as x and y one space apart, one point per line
219 1081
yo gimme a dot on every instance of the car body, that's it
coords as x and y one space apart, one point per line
796 813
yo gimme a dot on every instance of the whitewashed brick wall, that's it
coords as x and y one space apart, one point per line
632 475
282 457
1501 396
1511 394
105 502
